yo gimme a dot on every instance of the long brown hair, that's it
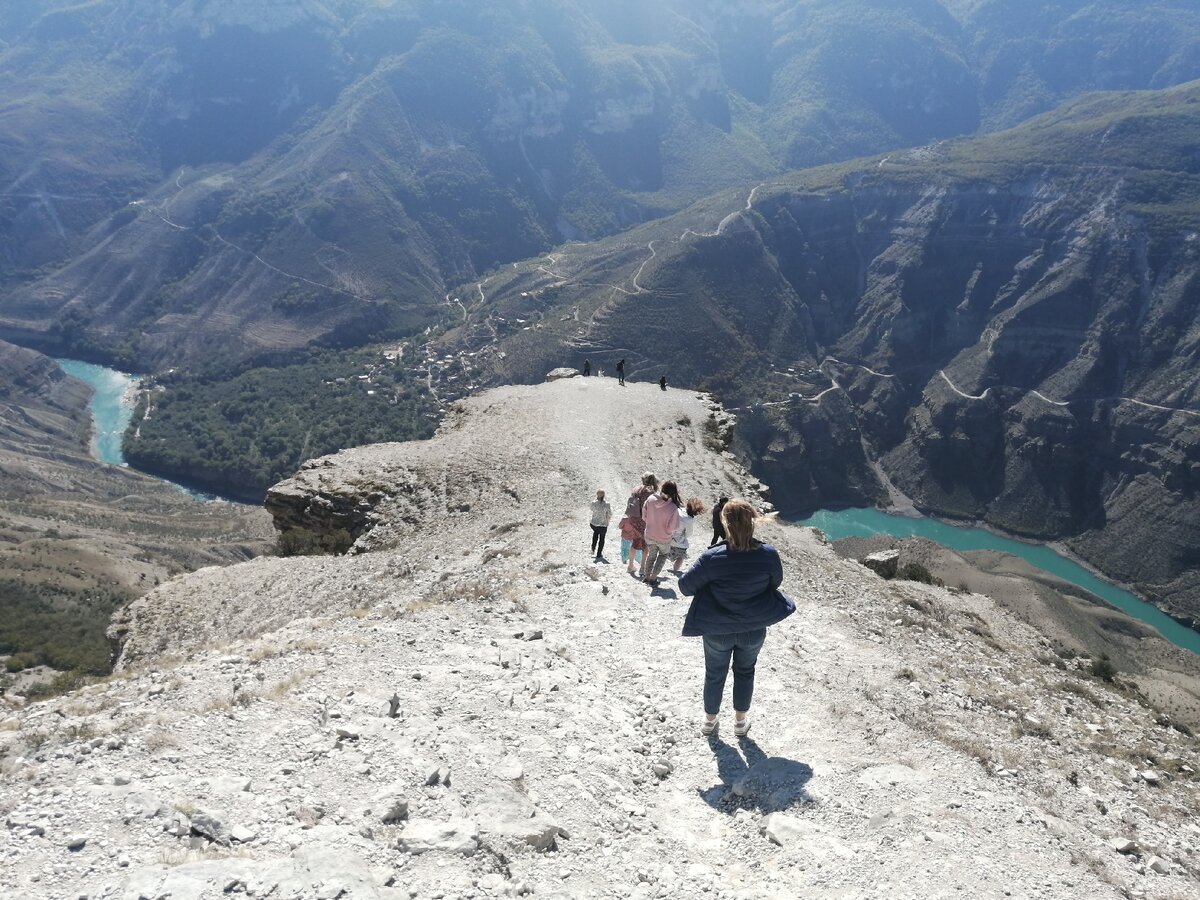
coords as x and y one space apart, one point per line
671 492
738 517
695 506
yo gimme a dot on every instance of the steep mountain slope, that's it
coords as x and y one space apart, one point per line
79 538
470 707
226 179
1009 331
1029 56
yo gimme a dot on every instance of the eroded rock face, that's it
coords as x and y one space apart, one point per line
1013 353
884 563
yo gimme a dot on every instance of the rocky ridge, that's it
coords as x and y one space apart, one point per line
470 706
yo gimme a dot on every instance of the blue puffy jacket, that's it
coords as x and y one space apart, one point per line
734 591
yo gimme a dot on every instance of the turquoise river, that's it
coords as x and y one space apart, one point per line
114 395
866 522
112 405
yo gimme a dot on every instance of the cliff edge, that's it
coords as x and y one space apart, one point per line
468 705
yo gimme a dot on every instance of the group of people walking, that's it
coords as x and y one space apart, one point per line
734 584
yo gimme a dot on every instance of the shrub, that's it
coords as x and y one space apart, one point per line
62 683
1103 668
302 542
914 571
19 661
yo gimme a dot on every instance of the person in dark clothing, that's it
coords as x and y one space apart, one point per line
736 597
621 371
662 382
587 368
718 527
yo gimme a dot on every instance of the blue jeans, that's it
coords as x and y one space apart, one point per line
742 648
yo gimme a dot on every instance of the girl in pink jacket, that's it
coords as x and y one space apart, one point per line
661 512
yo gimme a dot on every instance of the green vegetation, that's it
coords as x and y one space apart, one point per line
1103 668
302 542
42 625
914 571
238 432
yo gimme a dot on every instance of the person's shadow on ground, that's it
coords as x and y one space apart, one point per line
751 779
661 590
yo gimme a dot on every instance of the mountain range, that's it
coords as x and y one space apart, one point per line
184 182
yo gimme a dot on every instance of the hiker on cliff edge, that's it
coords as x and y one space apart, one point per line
736 597
621 371
587 368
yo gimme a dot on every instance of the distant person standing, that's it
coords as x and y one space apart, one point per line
736 597
621 371
587 368
718 527
601 516
662 382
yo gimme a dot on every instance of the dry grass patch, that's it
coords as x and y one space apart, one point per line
263 652
158 740
1080 690
967 744
84 731
1026 728
282 688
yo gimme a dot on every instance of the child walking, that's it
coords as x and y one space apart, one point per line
601 515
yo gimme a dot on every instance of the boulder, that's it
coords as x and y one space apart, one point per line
390 805
454 836
210 825
1124 845
556 374
509 813
885 563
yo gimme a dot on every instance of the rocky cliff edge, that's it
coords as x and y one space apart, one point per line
470 706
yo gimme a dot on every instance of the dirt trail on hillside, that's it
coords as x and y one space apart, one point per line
541 735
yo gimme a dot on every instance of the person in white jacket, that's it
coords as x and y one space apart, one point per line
683 534
601 515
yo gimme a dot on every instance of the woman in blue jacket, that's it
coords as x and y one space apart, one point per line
736 596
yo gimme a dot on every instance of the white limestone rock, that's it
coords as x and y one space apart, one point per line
425 835
508 813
